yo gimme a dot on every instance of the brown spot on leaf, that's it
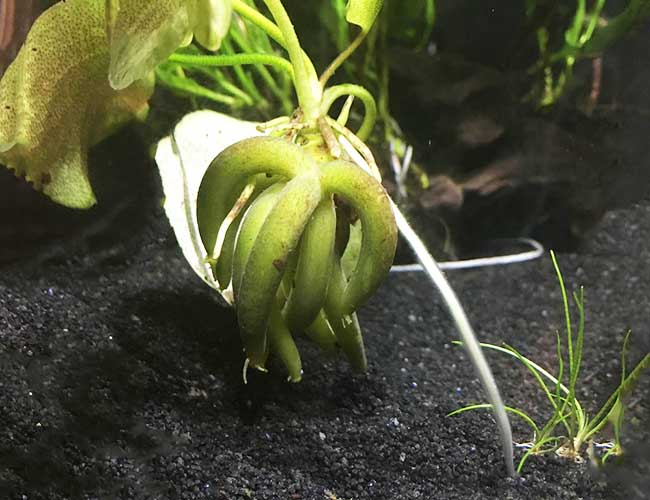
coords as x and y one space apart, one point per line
279 264
46 178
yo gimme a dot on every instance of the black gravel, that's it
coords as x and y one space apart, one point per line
121 378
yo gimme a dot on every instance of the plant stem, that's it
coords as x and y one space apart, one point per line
232 60
283 96
601 418
259 20
189 86
333 93
228 86
463 326
341 58
305 79
245 79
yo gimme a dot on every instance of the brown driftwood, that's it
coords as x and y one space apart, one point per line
16 17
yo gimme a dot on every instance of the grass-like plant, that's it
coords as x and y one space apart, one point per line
569 429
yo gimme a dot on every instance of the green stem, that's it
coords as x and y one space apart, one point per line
264 73
223 82
341 58
233 89
232 60
189 86
602 417
259 20
245 80
306 82
333 93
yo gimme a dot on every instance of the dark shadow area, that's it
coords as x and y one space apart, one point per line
128 191
498 163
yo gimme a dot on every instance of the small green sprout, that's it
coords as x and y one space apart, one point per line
569 428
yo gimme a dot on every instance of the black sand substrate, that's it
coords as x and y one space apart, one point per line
120 378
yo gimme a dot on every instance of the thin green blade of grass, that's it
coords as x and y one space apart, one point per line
570 401
558 411
565 305
577 361
561 414
602 417
534 365
533 370
617 412
515 411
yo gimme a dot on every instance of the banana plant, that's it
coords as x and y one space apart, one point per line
290 223
274 214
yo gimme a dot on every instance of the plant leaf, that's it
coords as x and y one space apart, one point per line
363 13
212 20
616 28
143 34
182 160
56 101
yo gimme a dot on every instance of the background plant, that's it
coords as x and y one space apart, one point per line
99 74
588 34
569 428
239 90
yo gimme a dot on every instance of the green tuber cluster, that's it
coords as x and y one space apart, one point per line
276 222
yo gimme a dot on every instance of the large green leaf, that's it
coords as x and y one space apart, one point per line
144 33
56 102
363 13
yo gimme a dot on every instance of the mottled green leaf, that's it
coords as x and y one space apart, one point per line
363 13
56 102
144 33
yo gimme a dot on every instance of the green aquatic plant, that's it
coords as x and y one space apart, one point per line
290 223
293 218
263 85
85 69
569 428
588 34
262 227
266 212
46 129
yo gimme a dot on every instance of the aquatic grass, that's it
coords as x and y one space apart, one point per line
569 428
